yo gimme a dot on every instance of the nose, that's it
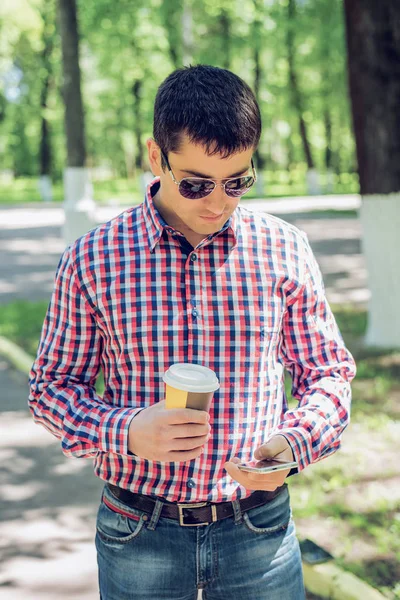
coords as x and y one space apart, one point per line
217 200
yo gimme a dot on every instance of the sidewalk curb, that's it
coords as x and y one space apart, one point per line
20 359
326 580
330 581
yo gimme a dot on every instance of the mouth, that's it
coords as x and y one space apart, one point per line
217 218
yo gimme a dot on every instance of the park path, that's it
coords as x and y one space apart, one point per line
48 507
48 503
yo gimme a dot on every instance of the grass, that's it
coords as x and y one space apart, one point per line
330 499
25 191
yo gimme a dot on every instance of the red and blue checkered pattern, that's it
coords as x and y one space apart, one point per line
132 297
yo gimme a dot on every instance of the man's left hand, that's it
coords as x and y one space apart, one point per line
276 448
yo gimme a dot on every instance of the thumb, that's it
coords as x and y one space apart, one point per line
270 449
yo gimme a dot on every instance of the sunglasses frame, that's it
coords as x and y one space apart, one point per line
214 181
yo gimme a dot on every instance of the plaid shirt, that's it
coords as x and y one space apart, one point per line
132 296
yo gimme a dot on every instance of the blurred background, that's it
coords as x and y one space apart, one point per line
126 49
77 88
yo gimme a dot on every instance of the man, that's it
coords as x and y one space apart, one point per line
189 276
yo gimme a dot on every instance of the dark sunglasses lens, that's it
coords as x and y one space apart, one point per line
238 187
193 189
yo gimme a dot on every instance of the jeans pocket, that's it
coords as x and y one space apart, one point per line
272 518
117 523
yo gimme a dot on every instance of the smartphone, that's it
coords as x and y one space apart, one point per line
313 554
266 466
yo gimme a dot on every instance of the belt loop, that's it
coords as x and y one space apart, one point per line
237 511
155 515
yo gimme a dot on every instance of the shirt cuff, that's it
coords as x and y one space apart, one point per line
299 443
114 430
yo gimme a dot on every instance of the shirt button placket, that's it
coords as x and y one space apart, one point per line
193 258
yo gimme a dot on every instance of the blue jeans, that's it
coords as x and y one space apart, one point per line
252 555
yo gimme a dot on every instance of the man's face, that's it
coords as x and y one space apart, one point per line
192 161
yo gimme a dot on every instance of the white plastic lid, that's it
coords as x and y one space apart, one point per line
191 378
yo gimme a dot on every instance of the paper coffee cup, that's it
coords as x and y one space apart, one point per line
189 386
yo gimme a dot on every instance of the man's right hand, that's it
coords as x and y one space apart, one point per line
168 434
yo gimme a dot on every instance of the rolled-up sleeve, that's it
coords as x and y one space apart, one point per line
321 367
62 379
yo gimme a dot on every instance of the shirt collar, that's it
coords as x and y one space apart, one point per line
155 224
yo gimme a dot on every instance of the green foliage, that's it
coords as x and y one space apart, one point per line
22 321
123 43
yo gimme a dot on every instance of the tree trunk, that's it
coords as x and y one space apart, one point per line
45 187
328 150
171 16
78 205
3 104
373 44
328 137
187 32
260 160
45 137
45 144
312 176
136 91
257 45
294 87
225 24
74 119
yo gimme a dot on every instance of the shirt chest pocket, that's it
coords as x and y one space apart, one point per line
259 343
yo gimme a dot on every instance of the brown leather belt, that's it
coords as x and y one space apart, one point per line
193 514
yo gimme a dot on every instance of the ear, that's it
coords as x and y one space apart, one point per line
154 156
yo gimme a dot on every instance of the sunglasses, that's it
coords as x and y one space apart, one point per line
194 188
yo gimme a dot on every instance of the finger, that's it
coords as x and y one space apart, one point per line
277 447
270 479
188 443
249 483
187 415
178 456
177 430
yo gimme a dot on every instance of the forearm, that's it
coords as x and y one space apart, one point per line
314 428
76 415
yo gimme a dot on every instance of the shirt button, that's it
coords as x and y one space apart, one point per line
191 483
193 257
194 312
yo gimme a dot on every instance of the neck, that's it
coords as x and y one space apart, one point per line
173 220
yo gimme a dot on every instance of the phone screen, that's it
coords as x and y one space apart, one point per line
266 466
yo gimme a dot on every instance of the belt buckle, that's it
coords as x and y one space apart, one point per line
197 505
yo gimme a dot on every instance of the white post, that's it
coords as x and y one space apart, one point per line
145 177
79 206
260 185
380 219
330 181
45 188
312 180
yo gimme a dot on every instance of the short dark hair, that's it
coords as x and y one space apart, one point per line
212 106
